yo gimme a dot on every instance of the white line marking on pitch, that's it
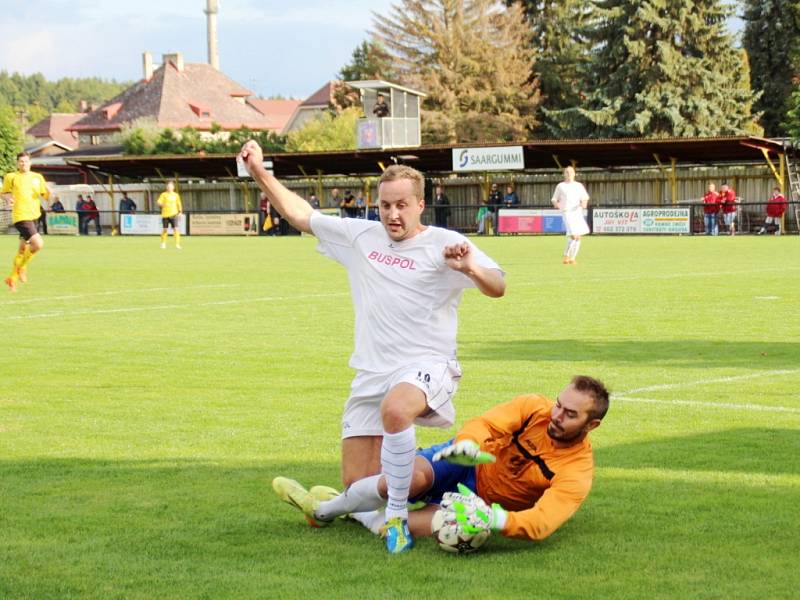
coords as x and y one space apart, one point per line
117 292
75 313
728 405
675 386
768 297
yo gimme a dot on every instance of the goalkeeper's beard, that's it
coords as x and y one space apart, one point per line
553 432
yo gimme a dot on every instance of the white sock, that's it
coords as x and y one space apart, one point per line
397 462
575 247
569 246
372 520
361 496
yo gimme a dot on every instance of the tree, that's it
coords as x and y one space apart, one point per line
662 68
10 140
369 61
562 53
473 60
772 28
791 122
326 132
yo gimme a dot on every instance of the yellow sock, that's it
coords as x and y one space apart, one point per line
17 262
177 237
26 258
163 237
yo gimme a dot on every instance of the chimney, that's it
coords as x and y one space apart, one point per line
212 8
147 65
176 58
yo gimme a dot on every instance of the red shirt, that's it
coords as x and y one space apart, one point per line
776 206
711 203
728 200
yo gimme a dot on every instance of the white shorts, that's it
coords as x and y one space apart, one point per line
729 218
574 223
438 379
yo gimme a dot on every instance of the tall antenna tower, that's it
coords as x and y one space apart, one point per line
212 8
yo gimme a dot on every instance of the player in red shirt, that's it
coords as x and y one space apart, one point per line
727 197
711 203
776 206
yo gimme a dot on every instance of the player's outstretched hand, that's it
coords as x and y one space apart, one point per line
465 452
472 512
251 155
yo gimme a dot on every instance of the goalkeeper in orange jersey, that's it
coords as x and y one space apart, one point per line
23 189
530 458
171 209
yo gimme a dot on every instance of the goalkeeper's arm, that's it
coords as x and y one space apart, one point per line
465 452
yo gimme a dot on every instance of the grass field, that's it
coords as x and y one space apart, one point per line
149 397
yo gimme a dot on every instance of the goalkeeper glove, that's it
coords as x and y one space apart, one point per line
466 453
471 511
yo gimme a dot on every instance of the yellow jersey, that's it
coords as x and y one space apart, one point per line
170 203
540 484
26 189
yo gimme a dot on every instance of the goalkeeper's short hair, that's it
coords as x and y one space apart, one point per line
597 390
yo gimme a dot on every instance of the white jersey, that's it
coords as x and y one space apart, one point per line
404 295
570 195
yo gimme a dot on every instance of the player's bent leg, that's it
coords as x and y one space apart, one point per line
296 495
361 457
419 521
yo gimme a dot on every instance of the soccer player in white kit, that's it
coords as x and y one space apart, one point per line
406 282
571 199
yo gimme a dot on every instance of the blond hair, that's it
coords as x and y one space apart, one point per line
398 172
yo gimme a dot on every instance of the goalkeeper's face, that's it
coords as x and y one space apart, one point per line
570 419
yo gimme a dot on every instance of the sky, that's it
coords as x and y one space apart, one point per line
273 47
286 48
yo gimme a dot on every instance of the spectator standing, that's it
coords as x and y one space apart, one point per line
43 217
441 208
313 201
486 214
711 202
335 200
381 109
91 214
728 201
361 205
57 206
571 198
348 205
776 206
79 208
510 200
264 214
127 206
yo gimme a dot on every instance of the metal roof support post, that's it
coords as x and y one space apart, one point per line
113 212
779 175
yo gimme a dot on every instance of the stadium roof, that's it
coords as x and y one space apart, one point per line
539 154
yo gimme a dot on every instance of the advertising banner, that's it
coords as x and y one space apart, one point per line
523 220
139 224
65 223
503 158
641 220
223 223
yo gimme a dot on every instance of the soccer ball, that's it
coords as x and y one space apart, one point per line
452 538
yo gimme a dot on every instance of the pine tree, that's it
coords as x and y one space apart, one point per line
473 60
562 53
369 61
772 28
662 68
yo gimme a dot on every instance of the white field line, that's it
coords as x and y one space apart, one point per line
749 479
693 274
132 309
118 292
675 386
714 405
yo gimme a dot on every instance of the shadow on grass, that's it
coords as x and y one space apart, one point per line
701 354
756 451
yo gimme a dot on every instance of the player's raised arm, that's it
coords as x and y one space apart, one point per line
490 282
292 207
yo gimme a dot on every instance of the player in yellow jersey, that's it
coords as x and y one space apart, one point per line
171 209
531 457
23 189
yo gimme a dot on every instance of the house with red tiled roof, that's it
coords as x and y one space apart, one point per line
175 95
311 107
51 136
278 112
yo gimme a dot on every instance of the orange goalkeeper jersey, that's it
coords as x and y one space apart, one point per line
540 485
